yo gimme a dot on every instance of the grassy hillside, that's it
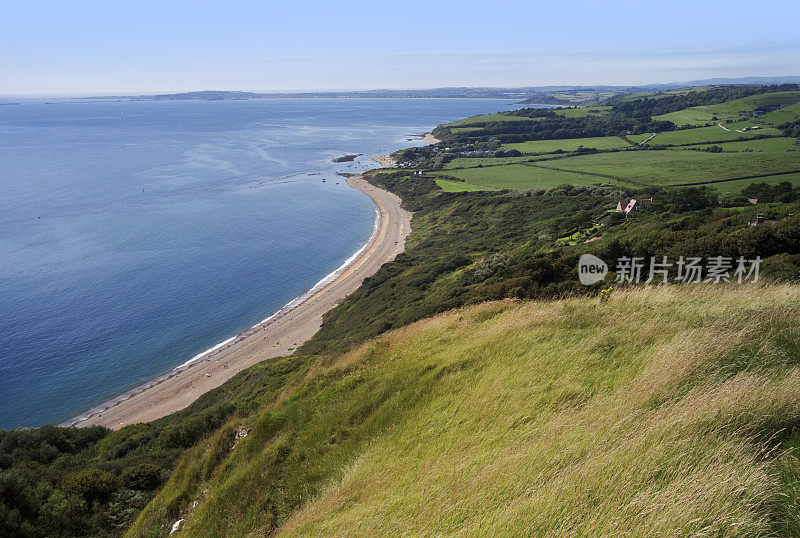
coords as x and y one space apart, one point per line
631 169
730 110
663 411
629 143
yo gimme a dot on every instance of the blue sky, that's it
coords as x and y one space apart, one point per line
178 45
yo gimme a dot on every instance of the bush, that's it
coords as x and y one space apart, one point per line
143 477
92 485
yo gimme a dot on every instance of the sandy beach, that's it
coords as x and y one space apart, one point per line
430 139
386 160
275 337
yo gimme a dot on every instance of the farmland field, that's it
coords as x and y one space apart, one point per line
581 112
760 153
671 167
522 177
781 143
700 135
485 118
471 162
457 186
632 168
639 138
732 110
570 144
465 129
782 115
737 186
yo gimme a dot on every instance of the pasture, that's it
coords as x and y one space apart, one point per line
570 144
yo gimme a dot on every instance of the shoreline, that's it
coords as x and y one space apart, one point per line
276 336
386 160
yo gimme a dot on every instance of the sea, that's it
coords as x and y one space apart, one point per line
135 234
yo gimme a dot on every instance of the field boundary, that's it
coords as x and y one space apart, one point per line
694 184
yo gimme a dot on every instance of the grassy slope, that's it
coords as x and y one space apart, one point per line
716 133
457 186
580 112
570 144
671 167
663 411
522 177
485 118
628 168
736 187
729 110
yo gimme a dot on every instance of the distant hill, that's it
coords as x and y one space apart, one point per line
552 95
207 95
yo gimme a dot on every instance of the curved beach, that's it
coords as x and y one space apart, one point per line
276 336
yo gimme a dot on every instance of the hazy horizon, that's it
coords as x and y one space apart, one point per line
92 48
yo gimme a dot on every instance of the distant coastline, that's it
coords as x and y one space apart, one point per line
546 95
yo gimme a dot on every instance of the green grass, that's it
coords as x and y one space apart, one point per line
784 114
665 411
581 112
522 177
485 118
569 144
465 129
470 162
732 110
737 186
630 168
673 167
457 186
711 134
639 138
777 144
665 93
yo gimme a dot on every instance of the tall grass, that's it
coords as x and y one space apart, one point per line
665 411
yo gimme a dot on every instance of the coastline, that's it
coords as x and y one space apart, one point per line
276 336
386 160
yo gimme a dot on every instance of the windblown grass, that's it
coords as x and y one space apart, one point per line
665 411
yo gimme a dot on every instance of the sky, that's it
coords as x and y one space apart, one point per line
145 46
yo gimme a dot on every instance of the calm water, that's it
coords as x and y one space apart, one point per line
134 235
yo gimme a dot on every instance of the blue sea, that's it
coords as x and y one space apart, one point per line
136 234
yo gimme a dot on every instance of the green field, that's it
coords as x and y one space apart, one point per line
670 167
639 138
629 168
581 112
715 133
737 186
522 177
568 144
457 186
485 118
784 114
465 129
732 110
471 162
777 144
665 93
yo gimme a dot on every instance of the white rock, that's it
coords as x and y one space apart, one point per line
178 525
